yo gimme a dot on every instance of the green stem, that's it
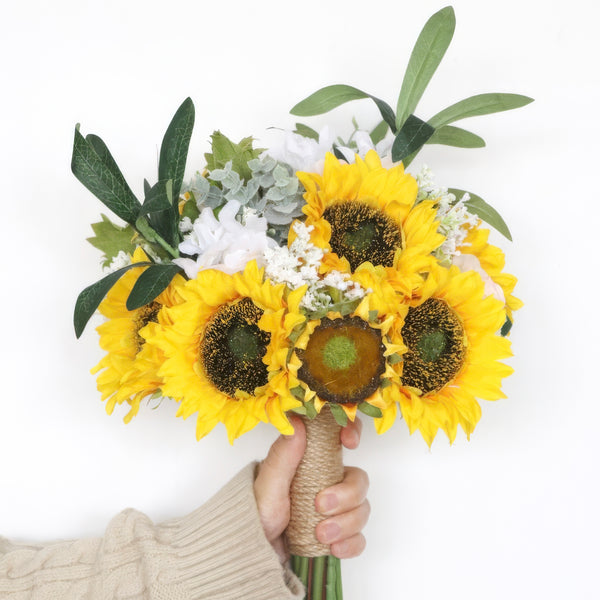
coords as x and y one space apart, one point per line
321 576
318 570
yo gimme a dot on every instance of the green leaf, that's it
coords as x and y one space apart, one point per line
481 104
159 197
299 410
175 144
411 137
373 314
332 96
448 135
394 359
150 284
110 239
298 392
339 415
506 327
311 411
379 132
429 49
100 175
90 298
370 410
224 150
306 131
484 211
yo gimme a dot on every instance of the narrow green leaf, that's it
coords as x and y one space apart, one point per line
506 327
332 96
98 174
306 131
429 49
104 153
337 153
411 137
90 298
110 239
379 132
150 284
370 410
159 197
481 104
448 135
484 211
339 415
175 144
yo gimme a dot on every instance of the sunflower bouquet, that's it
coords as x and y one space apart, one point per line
317 277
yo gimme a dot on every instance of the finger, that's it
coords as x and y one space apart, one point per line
349 548
344 496
344 526
350 434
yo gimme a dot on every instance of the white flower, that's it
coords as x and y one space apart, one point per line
224 243
364 144
122 259
469 262
302 153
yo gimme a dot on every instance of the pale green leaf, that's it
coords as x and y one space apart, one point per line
448 135
110 239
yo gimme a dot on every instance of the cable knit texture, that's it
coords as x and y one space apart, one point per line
219 551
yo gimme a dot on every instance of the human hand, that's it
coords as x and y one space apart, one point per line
344 505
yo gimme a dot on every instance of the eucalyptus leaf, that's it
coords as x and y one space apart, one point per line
370 410
110 239
332 96
484 211
150 284
379 132
306 131
429 49
448 135
481 104
339 414
99 174
411 137
89 299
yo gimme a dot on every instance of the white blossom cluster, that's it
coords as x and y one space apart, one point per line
452 214
122 259
298 265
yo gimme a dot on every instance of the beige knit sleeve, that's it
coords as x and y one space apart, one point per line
219 551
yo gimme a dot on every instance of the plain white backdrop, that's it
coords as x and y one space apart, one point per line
513 513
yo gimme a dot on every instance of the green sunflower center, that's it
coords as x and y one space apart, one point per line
360 233
343 360
146 314
435 339
232 348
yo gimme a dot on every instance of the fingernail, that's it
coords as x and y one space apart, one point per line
329 532
327 503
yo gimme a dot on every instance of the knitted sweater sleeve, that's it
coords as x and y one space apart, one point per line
219 551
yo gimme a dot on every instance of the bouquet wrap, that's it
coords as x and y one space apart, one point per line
320 468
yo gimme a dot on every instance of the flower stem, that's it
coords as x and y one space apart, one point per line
321 576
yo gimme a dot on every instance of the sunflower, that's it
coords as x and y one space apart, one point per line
452 357
492 261
130 367
350 359
363 212
226 351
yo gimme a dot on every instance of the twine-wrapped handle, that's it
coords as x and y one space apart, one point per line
320 468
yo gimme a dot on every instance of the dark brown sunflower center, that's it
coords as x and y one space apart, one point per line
232 348
434 336
343 360
146 314
360 233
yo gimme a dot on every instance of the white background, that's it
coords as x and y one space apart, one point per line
511 514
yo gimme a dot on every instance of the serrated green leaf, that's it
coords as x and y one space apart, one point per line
429 49
411 137
481 104
150 284
99 174
158 198
224 150
306 131
448 135
332 96
175 145
311 411
339 414
89 299
110 239
370 410
379 132
484 211
394 359
506 327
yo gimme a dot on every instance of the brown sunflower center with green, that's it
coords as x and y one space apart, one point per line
232 348
361 233
435 339
343 360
